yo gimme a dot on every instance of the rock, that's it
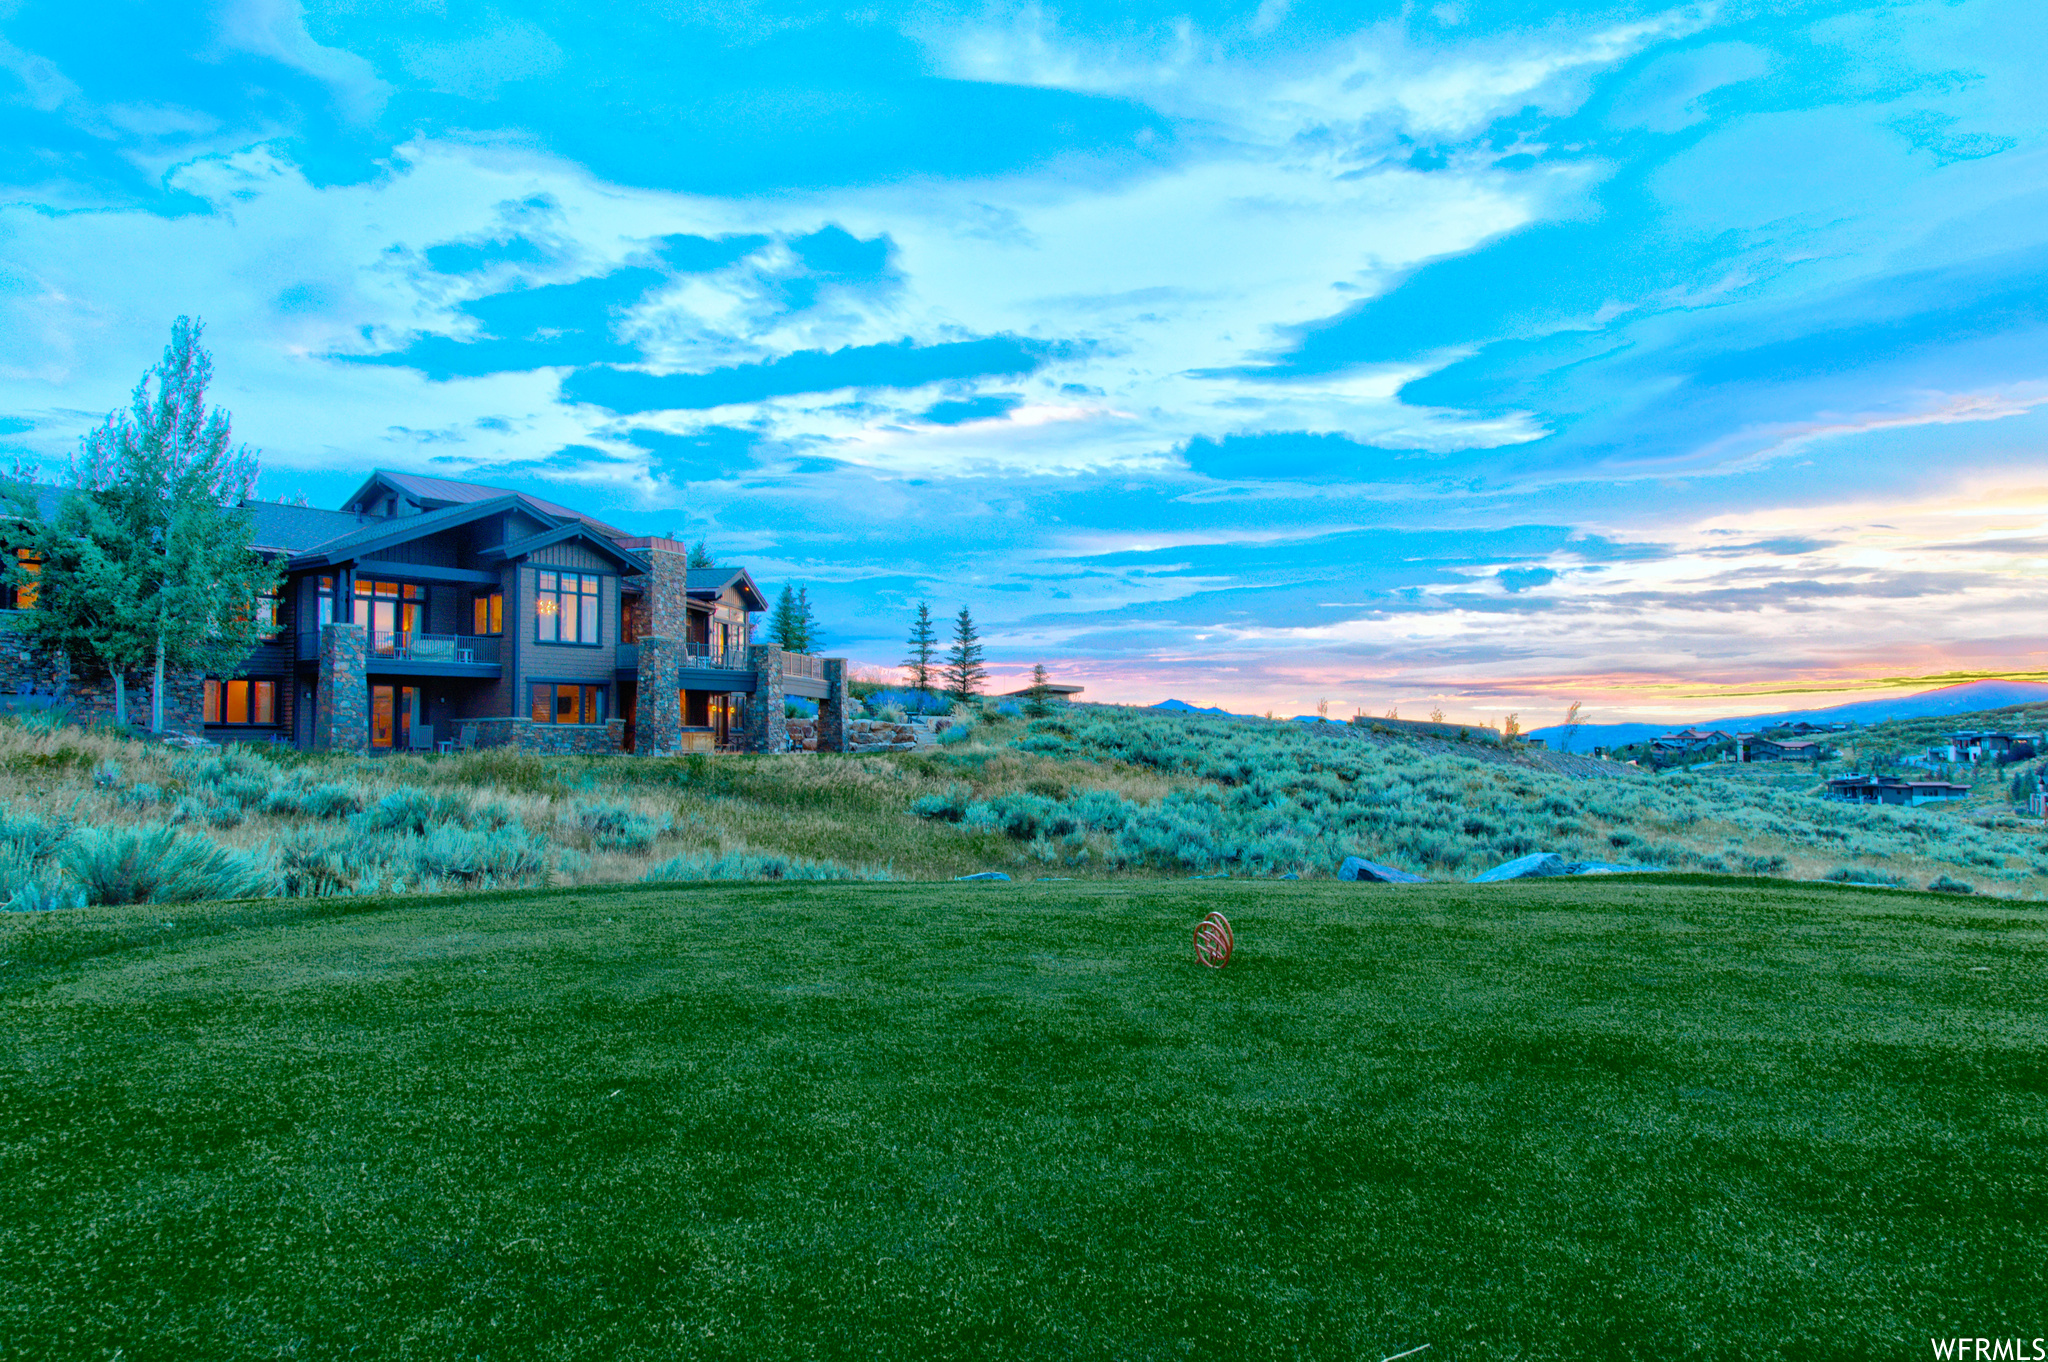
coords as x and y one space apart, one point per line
1602 868
1535 864
985 875
1358 868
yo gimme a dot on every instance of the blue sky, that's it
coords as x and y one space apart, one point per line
1477 355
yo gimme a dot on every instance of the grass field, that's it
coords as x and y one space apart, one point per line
1655 1119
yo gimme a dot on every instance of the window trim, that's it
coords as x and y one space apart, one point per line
597 598
583 700
213 702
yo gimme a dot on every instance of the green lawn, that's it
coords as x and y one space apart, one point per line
1655 1118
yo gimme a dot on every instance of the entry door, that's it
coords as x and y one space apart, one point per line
420 732
395 718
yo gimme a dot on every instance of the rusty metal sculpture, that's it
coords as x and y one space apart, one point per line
1213 941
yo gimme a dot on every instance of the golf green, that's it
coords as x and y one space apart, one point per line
1653 1117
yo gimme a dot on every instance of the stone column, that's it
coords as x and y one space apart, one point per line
764 729
341 722
832 709
657 704
668 593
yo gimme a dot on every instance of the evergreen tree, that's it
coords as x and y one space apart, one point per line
782 623
923 649
964 672
806 622
148 559
700 556
1039 703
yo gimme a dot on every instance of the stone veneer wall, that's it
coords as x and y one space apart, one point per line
657 706
90 699
832 709
555 740
341 720
668 593
762 728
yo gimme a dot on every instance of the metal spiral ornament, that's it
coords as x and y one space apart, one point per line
1213 941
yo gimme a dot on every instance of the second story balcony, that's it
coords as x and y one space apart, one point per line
428 654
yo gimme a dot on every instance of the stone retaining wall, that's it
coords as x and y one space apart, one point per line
556 740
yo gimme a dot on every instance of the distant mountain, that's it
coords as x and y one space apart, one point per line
1966 698
1183 707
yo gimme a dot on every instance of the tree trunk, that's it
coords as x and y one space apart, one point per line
156 695
120 696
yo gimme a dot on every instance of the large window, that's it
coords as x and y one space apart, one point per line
392 610
326 613
565 607
24 597
568 704
487 609
241 702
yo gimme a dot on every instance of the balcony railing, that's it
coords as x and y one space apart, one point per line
803 664
478 649
710 655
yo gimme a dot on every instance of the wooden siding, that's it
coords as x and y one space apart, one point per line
434 550
561 661
576 557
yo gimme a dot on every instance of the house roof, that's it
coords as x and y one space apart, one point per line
438 493
604 544
711 581
284 528
375 532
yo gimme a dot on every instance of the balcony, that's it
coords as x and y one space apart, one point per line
420 654
700 656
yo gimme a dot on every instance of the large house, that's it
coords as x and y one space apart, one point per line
432 614
1860 789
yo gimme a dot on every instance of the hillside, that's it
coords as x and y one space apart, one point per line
1093 792
1551 1120
1945 707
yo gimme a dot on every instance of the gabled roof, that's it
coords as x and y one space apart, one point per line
519 548
708 583
434 494
376 533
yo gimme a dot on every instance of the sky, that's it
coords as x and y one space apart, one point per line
1473 356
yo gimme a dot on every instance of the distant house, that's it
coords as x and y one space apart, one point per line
1691 740
1535 742
1972 745
1858 789
1059 694
1783 749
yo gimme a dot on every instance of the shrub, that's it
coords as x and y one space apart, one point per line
957 732
330 800
748 865
508 856
106 775
313 865
1945 885
950 806
139 796
155 863
34 837
1850 874
612 827
236 775
407 809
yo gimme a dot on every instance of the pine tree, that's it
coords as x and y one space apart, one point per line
148 559
700 556
964 672
806 622
924 647
1039 703
782 624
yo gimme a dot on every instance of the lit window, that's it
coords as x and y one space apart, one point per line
24 597
240 702
568 704
565 607
489 612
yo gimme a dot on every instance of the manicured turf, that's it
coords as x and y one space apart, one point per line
1635 1119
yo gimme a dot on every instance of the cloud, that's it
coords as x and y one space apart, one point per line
277 29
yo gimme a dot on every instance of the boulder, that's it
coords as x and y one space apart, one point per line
985 875
1358 868
1602 868
1536 863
